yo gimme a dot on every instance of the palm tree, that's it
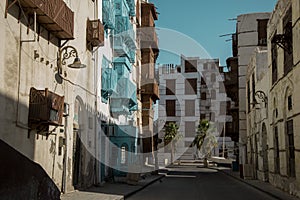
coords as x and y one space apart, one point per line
205 140
171 136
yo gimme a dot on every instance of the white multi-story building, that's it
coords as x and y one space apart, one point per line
250 34
189 92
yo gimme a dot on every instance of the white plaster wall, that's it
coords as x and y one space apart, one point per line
36 73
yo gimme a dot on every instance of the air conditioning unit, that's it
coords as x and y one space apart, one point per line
95 33
45 107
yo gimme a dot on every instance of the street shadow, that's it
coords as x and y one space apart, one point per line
20 176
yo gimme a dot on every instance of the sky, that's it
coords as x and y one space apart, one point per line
202 21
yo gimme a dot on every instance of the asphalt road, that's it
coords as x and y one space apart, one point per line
189 183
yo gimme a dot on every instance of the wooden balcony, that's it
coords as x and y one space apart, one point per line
148 38
151 89
54 15
149 14
95 33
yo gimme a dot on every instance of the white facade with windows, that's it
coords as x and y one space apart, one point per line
189 92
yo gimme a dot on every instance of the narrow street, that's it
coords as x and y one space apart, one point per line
199 183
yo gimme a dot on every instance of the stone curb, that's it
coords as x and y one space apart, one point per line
252 185
143 187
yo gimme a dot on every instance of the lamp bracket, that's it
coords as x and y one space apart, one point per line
261 95
67 52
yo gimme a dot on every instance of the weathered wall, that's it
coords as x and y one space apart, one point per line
285 86
257 116
20 71
247 41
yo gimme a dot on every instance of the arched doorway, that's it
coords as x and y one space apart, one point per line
265 152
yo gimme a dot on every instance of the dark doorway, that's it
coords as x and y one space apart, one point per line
76 158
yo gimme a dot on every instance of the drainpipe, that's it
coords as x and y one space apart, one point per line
18 123
97 149
64 173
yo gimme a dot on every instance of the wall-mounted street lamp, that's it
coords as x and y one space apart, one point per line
64 54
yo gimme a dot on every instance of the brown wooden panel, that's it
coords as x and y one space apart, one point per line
55 16
171 107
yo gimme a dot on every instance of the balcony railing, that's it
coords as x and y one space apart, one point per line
109 79
108 14
124 28
121 49
123 66
55 16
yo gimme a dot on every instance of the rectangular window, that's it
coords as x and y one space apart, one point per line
291 146
223 106
288 33
205 66
276 151
203 95
212 116
213 78
213 94
123 155
190 129
222 87
202 81
189 107
170 87
290 103
171 107
213 66
191 86
190 66
262 31
202 116
274 62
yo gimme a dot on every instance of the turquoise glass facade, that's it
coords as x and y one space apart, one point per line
117 87
124 35
108 14
124 137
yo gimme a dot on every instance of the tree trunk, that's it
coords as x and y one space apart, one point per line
205 162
